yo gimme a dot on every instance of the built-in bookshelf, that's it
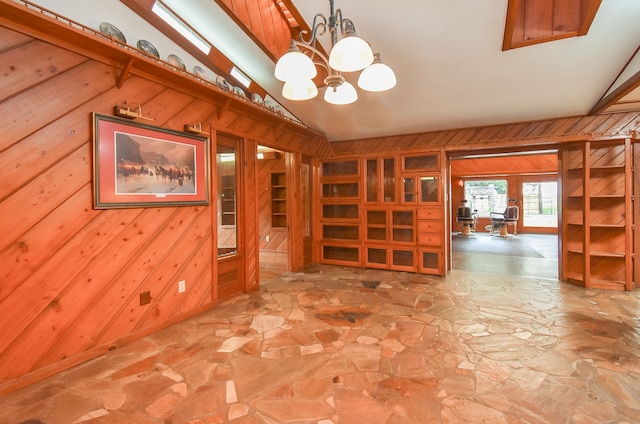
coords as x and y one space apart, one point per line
597 214
340 212
278 200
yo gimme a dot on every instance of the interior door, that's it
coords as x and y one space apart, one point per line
229 216
539 204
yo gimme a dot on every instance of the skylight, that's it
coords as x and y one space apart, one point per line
176 23
240 76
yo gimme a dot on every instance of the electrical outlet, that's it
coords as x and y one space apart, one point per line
182 286
266 238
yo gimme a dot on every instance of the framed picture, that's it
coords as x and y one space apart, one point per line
138 165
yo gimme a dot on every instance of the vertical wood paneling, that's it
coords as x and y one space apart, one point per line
262 21
250 213
268 17
538 15
537 21
566 16
293 162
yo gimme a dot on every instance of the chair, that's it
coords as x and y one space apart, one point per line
466 218
500 221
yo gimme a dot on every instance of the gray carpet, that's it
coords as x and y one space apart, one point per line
489 244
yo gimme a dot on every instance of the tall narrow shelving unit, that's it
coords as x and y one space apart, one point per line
598 214
278 200
573 214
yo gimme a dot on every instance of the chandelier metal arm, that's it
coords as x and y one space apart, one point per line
324 61
319 27
347 27
335 23
297 67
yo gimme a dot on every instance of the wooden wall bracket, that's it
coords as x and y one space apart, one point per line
223 108
123 74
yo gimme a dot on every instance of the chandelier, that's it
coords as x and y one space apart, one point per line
350 54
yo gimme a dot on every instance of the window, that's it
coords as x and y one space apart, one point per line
486 196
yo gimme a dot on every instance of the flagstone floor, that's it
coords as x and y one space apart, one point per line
338 345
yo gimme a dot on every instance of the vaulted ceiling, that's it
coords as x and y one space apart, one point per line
459 63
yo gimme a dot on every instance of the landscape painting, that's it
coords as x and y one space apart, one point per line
139 165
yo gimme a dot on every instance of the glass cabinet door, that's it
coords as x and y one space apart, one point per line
408 189
389 171
372 185
429 189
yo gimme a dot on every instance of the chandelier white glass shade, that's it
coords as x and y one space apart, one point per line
350 54
377 76
295 65
303 89
339 91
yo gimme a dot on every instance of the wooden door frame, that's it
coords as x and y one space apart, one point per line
226 263
295 238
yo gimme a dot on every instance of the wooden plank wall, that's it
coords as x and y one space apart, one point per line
519 136
71 276
263 21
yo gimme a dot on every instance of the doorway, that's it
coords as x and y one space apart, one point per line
229 215
272 212
488 181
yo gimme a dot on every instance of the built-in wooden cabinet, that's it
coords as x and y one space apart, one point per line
278 200
380 180
340 212
383 212
597 214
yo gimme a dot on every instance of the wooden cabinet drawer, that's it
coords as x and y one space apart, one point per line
430 227
429 213
430 239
